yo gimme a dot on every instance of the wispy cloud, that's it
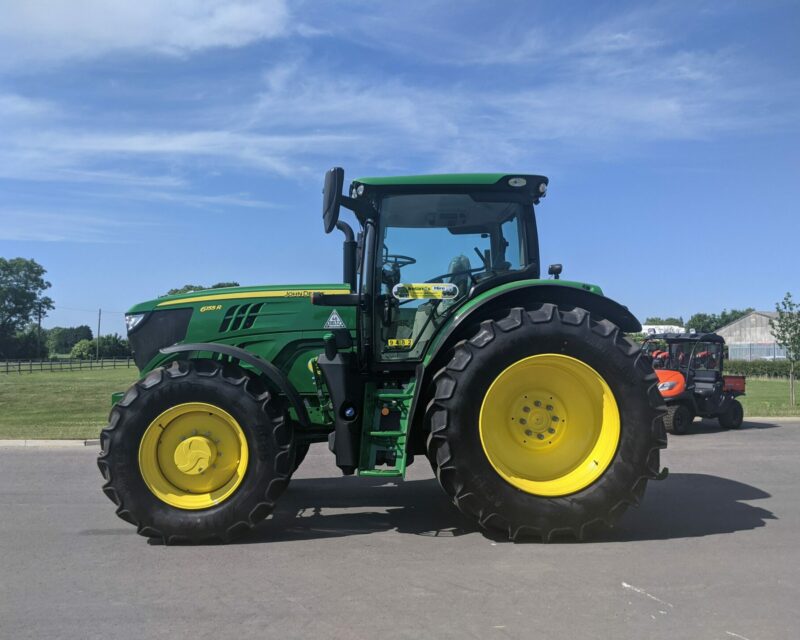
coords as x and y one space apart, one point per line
48 31
608 86
50 226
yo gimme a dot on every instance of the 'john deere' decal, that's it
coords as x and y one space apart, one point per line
426 290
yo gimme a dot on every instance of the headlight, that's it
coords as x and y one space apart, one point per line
132 321
666 386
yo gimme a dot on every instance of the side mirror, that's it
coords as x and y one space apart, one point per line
554 270
331 193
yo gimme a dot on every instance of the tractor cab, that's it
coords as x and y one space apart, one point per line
428 245
435 251
691 381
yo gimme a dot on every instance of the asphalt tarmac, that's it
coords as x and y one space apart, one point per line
711 553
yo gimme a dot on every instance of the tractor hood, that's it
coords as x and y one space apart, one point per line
235 315
224 296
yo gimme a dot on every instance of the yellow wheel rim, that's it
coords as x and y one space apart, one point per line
193 456
549 425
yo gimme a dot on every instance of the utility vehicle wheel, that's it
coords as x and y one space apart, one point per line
678 419
733 417
198 451
544 423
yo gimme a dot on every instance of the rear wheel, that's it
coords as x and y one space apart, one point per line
196 452
300 452
733 417
545 423
678 419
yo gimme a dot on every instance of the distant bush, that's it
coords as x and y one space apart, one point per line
111 346
83 350
766 368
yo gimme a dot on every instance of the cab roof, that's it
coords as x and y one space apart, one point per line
452 179
527 187
445 179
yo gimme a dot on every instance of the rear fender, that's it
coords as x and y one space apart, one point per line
493 305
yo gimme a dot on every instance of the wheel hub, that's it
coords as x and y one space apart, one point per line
194 455
537 419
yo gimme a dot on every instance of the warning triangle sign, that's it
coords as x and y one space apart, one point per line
334 321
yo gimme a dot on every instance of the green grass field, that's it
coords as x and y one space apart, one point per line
76 404
769 398
59 405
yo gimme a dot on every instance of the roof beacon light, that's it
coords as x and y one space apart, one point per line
542 188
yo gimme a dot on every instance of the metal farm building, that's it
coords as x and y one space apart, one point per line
750 337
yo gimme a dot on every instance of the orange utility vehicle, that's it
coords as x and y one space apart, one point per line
689 370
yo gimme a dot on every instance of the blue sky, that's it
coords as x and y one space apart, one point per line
148 144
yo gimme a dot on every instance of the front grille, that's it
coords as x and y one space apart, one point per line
158 330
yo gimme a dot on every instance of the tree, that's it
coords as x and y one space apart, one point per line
198 287
83 350
786 329
703 322
62 339
669 320
114 346
26 345
22 302
710 322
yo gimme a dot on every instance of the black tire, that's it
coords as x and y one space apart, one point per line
733 417
300 452
454 441
261 416
678 419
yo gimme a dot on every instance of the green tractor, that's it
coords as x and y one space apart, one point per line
539 418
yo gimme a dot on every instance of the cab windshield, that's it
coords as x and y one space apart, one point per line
434 248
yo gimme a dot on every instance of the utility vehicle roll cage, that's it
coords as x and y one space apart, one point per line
694 339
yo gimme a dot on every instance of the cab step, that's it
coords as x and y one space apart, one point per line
385 432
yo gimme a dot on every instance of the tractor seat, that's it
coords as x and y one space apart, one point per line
704 389
706 382
704 375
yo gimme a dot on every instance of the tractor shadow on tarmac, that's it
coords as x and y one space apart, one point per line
689 505
335 507
686 505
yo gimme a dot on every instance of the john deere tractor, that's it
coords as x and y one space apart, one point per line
539 418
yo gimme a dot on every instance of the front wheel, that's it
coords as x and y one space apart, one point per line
678 419
545 423
195 452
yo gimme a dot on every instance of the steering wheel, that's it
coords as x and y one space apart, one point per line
396 260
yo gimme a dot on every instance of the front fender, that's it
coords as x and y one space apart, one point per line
264 367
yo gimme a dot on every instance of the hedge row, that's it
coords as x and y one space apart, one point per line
767 368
